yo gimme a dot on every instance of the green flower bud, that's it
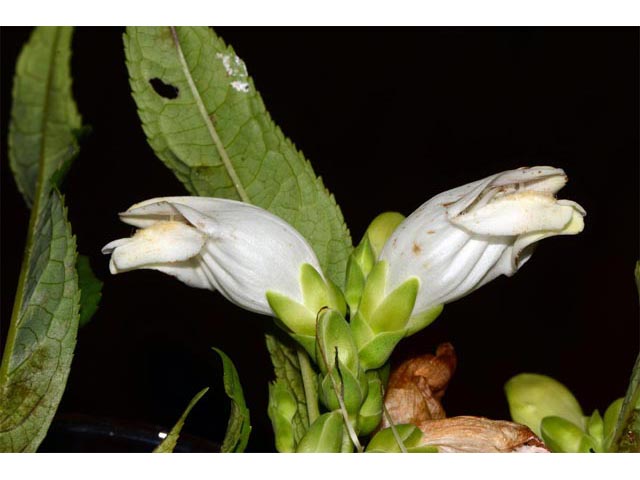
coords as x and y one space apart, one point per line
533 397
370 414
381 228
410 436
359 265
324 435
282 408
300 318
334 335
353 389
563 436
382 319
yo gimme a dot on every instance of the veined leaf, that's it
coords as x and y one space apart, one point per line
44 323
42 334
239 426
288 378
169 443
44 117
204 118
90 288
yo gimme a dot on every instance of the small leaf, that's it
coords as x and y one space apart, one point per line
169 443
209 125
610 418
288 377
90 289
239 426
42 333
595 429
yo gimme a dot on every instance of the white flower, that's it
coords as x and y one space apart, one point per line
465 237
238 249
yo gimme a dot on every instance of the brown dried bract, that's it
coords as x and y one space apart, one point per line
478 434
415 388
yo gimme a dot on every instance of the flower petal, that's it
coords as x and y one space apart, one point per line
517 213
162 242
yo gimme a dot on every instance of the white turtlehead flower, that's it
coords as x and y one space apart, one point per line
238 249
465 237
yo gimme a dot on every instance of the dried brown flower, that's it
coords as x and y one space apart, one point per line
415 388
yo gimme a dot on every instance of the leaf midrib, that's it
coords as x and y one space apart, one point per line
226 161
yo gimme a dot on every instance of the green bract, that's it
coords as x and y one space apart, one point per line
563 436
533 397
381 228
406 438
324 435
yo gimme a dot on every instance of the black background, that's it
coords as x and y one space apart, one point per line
389 118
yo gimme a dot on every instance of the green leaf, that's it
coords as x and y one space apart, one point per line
208 124
44 117
626 437
169 443
288 377
42 333
90 288
44 323
239 426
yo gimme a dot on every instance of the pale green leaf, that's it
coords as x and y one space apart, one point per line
288 377
169 443
90 288
208 124
42 334
239 426
44 117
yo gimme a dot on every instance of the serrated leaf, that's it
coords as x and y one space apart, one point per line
90 289
204 118
44 117
169 443
288 377
44 323
239 426
42 334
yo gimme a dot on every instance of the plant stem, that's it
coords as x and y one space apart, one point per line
308 381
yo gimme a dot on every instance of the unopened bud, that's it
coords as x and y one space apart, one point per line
371 411
324 435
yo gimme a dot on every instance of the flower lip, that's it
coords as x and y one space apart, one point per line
540 179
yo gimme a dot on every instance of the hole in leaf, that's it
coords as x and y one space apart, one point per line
163 89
